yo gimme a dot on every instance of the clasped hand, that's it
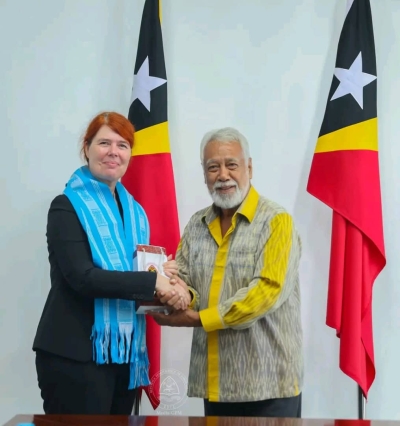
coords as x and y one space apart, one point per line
172 291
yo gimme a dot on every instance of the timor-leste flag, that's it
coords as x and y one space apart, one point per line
345 176
150 177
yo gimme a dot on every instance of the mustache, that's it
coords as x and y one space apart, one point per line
219 185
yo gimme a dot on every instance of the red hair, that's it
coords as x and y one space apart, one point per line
116 122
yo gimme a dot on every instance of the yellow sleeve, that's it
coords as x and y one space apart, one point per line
194 304
263 294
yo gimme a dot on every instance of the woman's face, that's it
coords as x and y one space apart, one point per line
109 155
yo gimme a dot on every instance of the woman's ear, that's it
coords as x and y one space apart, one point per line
86 150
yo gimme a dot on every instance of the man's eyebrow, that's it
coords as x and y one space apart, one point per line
212 160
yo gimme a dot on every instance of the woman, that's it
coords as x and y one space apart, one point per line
90 345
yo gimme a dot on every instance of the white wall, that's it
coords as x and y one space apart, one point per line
262 66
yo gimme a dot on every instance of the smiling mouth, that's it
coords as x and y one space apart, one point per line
226 188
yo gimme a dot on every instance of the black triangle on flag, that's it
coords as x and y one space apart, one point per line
149 93
356 44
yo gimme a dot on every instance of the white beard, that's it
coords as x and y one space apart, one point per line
229 201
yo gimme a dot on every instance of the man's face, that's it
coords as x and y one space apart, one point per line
226 173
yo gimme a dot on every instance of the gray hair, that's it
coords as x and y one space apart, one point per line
225 135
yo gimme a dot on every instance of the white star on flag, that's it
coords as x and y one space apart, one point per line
352 81
143 84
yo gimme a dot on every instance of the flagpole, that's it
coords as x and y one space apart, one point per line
361 404
137 404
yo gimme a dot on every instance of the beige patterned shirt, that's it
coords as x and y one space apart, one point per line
245 286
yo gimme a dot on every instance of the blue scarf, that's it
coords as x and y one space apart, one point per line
117 330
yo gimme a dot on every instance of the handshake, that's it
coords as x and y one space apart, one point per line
174 294
171 290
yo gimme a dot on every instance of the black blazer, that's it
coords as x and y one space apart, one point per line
68 315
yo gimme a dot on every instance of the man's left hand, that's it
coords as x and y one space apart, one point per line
187 318
170 267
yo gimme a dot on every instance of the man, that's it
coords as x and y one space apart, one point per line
239 259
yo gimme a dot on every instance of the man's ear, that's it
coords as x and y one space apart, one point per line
250 166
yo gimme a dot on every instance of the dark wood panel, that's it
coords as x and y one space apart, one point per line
63 420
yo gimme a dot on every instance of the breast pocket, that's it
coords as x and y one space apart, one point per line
242 258
202 257
240 269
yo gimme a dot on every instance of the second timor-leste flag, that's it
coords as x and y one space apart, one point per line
345 176
150 177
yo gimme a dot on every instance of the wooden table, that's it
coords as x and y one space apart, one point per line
63 420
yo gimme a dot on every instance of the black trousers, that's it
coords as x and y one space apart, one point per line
71 387
279 407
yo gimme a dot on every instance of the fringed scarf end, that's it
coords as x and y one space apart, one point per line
101 340
139 372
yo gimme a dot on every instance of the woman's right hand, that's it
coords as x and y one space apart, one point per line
173 295
163 285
